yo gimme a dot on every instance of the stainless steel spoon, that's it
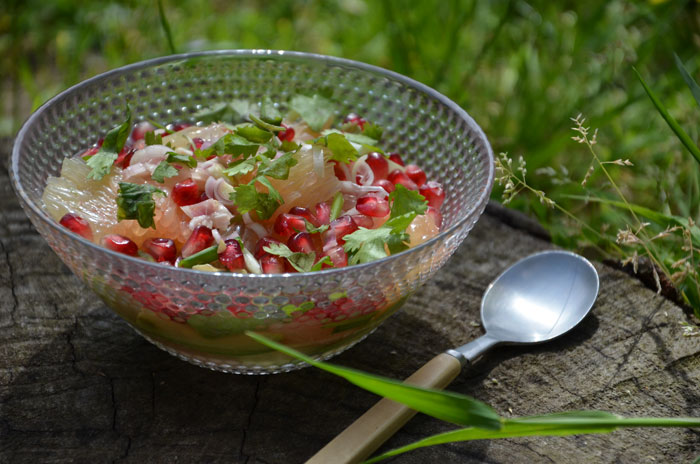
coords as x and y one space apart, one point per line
537 299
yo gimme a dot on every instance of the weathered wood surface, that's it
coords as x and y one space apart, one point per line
78 385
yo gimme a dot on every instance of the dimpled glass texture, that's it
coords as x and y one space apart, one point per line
202 317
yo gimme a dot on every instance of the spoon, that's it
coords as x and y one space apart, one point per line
537 299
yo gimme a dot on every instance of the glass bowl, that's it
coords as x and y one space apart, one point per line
201 317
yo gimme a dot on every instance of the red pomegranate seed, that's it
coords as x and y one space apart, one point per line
363 221
398 177
272 264
435 214
396 158
287 224
198 142
305 213
262 243
178 127
338 257
323 213
301 242
338 171
433 192
162 249
186 193
232 256
372 206
343 226
352 118
200 239
139 132
76 224
124 157
416 174
287 134
90 152
120 244
385 184
379 165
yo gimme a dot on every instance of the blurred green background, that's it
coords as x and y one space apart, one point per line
522 69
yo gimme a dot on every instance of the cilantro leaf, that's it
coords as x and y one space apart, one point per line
315 110
247 198
319 264
278 168
179 158
240 167
274 194
372 131
219 112
254 133
340 147
152 138
288 146
406 201
163 170
102 161
302 262
365 245
269 113
230 144
310 228
136 202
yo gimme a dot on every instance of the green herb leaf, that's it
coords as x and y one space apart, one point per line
136 202
319 264
452 407
101 163
302 262
230 144
372 131
179 158
274 194
247 198
207 255
240 167
310 228
278 168
366 245
406 201
288 146
269 112
337 206
265 125
315 110
163 170
242 108
219 112
341 149
254 133
151 138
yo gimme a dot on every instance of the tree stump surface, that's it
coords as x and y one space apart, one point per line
78 385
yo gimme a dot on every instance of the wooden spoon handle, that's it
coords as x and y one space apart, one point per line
385 418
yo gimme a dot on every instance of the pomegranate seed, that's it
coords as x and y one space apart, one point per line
343 226
433 192
262 243
352 118
200 239
301 242
398 177
416 174
232 256
338 171
272 264
178 127
363 221
385 184
287 134
435 214
162 249
396 158
90 152
76 224
198 142
323 213
120 244
372 206
379 165
287 224
186 193
124 157
338 257
139 132
305 213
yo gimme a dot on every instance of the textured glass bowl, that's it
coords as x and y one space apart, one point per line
201 317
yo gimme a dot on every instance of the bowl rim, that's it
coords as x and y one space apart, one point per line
480 204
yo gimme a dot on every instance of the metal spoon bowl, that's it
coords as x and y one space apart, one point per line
537 299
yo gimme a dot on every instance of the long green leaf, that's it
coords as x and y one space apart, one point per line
680 133
451 407
558 424
166 27
689 81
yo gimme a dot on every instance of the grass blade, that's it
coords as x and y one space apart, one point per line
451 407
680 133
558 424
690 82
166 27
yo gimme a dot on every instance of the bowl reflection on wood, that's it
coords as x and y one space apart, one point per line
201 317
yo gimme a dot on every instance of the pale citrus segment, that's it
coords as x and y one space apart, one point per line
422 229
210 133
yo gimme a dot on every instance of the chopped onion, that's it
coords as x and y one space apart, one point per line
362 169
152 154
317 153
218 189
352 188
251 263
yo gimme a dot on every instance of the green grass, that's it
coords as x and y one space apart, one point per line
522 69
